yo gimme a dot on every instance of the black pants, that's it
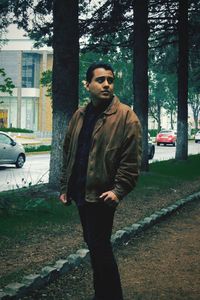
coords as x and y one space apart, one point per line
97 222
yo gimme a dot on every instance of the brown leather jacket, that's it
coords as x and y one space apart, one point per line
115 153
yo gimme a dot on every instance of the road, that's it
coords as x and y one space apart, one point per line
166 152
36 168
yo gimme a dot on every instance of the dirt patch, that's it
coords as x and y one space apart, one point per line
161 264
164 263
31 255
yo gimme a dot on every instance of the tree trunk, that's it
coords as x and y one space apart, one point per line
65 78
140 75
159 118
171 120
182 121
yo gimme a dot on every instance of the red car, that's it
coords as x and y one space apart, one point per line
166 137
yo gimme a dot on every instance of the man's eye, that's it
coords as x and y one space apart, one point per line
100 79
110 80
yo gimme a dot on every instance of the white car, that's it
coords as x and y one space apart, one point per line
11 152
197 137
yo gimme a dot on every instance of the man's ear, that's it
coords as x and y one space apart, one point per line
87 86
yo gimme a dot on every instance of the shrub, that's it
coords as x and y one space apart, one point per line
38 148
153 132
13 129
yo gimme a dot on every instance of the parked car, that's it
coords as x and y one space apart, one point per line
151 148
166 137
197 137
11 152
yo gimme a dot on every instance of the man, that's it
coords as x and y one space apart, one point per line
100 166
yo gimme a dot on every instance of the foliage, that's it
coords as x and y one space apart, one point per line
13 129
46 81
39 148
7 85
194 81
35 17
109 23
163 83
194 101
107 29
153 132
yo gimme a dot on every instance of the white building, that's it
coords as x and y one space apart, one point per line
28 107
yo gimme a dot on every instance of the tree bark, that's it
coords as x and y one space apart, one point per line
182 118
140 74
65 78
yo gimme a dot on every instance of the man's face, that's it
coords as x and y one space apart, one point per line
101 86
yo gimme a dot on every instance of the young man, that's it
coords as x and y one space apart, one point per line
101 162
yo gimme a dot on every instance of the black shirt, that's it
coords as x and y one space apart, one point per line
78 179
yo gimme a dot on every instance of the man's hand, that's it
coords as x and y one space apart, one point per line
110 198
64 200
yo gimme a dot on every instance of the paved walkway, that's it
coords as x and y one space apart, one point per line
161 264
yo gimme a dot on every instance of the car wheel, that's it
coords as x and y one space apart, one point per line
20 161
158 144
174 144
152 152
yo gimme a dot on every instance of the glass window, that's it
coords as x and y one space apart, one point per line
4 139
30 70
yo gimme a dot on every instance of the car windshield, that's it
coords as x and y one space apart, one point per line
166 131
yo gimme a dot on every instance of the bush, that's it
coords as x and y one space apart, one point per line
193 131
13 129
153 132
38 148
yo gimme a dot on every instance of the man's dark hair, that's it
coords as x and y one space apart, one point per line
97 65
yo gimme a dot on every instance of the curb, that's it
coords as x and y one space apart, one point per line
48 274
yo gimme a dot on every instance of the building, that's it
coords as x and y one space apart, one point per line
28 107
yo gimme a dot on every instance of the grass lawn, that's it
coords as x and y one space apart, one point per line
30 210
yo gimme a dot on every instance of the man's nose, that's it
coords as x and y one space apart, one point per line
106 83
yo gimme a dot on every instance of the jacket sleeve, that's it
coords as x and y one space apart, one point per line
63 178
130 157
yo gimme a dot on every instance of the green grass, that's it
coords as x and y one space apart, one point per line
182 170
20 219
168 175
22 213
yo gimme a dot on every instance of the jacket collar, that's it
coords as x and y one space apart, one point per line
111 109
